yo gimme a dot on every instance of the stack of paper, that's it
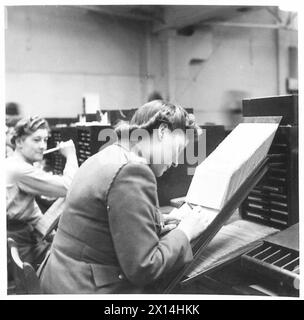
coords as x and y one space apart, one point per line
218 177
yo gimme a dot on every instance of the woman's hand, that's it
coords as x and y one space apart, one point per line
168 227
67 148
171 220
195 222
177 214
191 220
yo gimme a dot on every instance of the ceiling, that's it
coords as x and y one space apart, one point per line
184 18
173 16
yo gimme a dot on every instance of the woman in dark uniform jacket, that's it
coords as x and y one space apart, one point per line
110 238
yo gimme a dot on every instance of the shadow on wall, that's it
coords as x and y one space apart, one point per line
231 105
155 95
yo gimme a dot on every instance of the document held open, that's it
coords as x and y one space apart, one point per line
218 177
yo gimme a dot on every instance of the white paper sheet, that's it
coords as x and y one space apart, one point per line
218 177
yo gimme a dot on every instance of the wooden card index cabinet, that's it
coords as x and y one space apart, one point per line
247 258
275 200
277 258
55 161
89 141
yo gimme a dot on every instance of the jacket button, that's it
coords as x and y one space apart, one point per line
108 208
120 276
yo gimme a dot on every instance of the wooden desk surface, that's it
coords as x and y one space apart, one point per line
288 238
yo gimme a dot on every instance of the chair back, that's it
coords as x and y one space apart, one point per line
50 219
25 277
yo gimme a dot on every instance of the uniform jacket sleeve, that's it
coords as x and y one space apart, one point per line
142 254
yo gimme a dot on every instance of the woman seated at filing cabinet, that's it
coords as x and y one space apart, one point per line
25 181
110 237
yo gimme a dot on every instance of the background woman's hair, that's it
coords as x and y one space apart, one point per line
152 114
27 126
12 109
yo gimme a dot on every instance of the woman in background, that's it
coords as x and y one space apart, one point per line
9 147
10 123
12 116
110 237
24 181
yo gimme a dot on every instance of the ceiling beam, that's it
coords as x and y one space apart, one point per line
243 25
127 12
177 17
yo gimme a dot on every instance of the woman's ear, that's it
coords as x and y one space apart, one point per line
18 142
161 130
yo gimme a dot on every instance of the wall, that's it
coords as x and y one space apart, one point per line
237 63
55 54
